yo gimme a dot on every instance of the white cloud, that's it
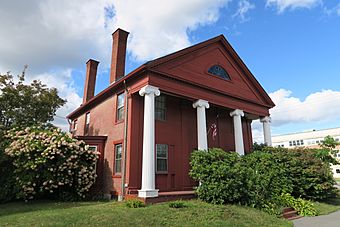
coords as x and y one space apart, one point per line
63 33
257 131
243 7
317 107
55 37
66 90
338 9
160 27
282 5
47 34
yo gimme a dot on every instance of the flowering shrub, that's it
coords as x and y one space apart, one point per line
49 163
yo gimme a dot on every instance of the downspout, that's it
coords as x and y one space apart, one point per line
121 197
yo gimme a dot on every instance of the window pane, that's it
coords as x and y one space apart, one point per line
161 154
93 148
219 71
162 165
120 113
118 166
118 151
120 101
75 124
87 119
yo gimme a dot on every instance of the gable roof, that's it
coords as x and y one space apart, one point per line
162 60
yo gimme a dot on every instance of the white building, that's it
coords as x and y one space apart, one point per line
311 139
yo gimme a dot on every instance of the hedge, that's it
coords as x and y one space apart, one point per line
260 178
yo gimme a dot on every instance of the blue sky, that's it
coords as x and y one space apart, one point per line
291 46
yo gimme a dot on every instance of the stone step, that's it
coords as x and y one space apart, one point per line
289 213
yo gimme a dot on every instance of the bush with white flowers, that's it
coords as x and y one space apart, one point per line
50 163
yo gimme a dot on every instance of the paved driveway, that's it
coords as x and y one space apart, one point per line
329 220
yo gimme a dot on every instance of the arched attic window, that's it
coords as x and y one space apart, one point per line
219 71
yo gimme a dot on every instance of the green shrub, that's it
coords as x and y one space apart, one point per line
302 206
267 177
134 203
221 176
311 177
226 177
259 178
8 187
50 164
177 204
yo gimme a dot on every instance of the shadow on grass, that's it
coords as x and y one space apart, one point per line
32 206
332 201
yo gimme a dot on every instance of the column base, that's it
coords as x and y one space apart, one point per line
146 193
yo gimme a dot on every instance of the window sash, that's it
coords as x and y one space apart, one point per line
120 113
120 100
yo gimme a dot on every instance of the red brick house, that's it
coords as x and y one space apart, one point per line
146 124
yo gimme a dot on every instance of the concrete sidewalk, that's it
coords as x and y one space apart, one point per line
329 220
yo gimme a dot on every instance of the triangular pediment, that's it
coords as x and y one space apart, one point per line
192 65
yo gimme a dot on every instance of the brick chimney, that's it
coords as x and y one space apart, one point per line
119 39
90 81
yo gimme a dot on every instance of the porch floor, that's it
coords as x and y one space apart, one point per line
165 197
176 193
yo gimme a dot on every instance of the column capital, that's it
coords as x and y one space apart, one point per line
266 119
237 112
149 89
201 103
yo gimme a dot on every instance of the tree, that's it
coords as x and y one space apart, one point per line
327 151
21 105
330 143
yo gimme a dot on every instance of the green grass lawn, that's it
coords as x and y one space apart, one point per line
117 214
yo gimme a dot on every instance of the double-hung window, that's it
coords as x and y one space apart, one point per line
75 125
118 158
87 122
120 106
160 107
161 158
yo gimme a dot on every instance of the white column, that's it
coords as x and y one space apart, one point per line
239 145
201 105
148 164
266 130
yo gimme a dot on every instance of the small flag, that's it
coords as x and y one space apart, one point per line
213 128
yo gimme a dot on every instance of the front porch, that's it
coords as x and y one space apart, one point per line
235 124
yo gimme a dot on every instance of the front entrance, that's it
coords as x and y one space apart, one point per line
97 143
